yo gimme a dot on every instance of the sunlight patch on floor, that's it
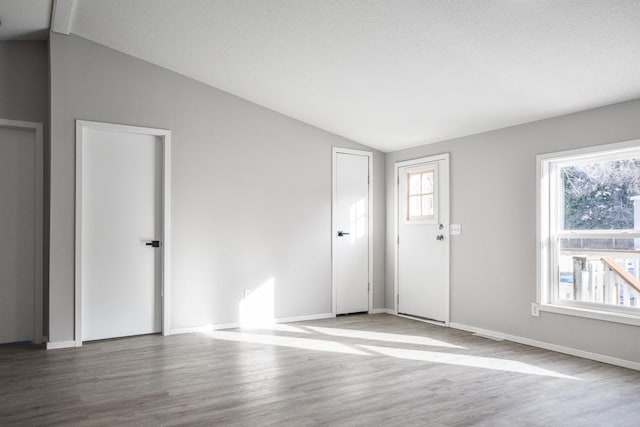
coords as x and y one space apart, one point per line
466 360
278 327
383 336
305 343
283 341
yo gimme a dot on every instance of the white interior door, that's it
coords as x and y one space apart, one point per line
17 234
423 239
351 233
121 215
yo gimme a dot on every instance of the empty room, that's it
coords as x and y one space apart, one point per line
320 212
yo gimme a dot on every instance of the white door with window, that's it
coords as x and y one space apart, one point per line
423 238
121 233
351 236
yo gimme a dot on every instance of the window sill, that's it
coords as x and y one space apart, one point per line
628 319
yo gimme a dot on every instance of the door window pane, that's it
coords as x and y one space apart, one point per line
414 184
427 205
420 195
427 182
414 206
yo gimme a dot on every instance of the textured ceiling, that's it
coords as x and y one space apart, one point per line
394 73
25 19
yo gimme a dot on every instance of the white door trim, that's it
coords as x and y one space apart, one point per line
38 219
398 165
165 136
369 156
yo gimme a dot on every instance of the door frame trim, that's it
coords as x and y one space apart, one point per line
396 213
38 207
165 136
369 154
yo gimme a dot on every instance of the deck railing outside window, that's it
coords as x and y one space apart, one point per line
600 276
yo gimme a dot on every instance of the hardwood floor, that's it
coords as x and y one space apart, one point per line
353 370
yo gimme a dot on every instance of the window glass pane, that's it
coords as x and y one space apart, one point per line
414 183
597 196
427 205
603 244
414 206
600 271
427 182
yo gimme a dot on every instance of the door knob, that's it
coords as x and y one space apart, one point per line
343 233
440 237
153 243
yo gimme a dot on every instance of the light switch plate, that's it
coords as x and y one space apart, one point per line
455 229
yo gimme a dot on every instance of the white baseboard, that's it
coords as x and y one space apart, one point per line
418 319
60 344
382 310
303 318
553 347
237 325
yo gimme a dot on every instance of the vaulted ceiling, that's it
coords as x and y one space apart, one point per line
388 73
25 19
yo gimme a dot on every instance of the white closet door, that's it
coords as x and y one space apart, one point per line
351 228
121 217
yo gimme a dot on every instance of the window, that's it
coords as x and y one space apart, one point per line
420 197
589 231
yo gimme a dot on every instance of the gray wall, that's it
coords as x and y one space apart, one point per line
24 95
251 188
24 88
493 197
225 148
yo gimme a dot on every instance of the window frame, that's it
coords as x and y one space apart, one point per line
431 219
549 231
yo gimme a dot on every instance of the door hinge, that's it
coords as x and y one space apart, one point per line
398 240
398 180
369 287
368 179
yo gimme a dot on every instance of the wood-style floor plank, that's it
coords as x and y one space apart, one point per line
352 370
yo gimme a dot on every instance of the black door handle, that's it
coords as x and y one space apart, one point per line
343 233
153 243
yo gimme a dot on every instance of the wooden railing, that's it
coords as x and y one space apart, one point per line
623 273
604 278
